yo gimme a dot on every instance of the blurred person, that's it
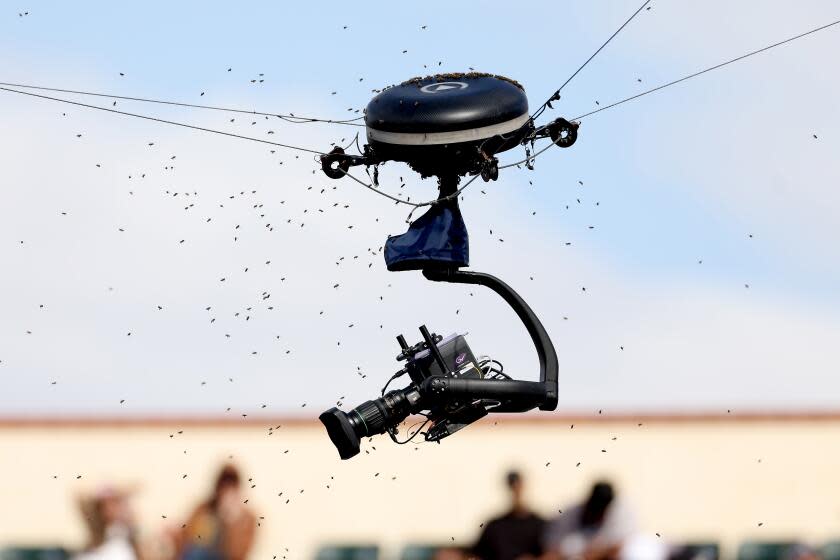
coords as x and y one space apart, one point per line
112 533
222 527
516 535
593 530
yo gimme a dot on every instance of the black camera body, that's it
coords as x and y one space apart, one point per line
457 361
428 360
455 353
449 386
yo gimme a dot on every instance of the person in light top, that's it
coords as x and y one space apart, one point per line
112 532
595 529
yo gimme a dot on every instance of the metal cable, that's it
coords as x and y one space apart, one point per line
155 119
539 111
242 137
529 158
399 200
287 117
715 67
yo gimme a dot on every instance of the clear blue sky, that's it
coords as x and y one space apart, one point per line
723 169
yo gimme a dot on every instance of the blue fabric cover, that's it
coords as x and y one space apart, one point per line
437 239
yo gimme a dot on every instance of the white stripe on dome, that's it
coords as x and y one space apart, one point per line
453 137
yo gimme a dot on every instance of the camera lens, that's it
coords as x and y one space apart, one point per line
341 432
367 419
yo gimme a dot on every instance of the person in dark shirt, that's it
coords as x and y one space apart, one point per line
516 535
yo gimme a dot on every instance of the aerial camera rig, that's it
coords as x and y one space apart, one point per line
448 126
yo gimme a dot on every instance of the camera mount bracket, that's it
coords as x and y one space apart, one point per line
520 395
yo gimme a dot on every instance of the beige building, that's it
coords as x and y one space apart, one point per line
722 478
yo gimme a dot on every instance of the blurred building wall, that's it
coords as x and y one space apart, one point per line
706 478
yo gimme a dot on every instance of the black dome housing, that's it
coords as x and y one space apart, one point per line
447 123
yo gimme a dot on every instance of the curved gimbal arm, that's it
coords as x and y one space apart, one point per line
515 396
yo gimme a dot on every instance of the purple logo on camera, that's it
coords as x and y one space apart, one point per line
460 359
